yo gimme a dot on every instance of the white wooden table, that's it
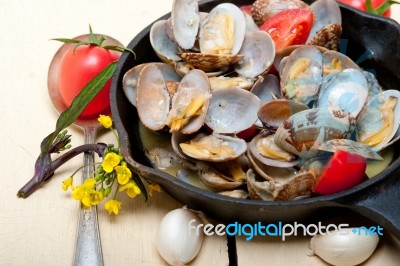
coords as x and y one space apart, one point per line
41 230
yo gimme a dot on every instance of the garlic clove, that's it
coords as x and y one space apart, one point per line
177 240
344 247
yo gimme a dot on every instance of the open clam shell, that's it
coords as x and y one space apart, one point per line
193 85
350 146
162 45
301 76
215 180
210 62
214 148
266 88
232 110
131 77
222 82
258 50
346 90
379 121
222 32
335 62
273 113
303 132
327 27
153 100
277 174
298 186
185 20
282 54
261 140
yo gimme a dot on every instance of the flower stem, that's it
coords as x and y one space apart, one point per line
45 167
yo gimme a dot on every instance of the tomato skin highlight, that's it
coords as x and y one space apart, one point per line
343 171
77 68
361 5
289 27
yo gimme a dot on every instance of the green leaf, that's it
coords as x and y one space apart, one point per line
85 96
119 49
140 184
65 40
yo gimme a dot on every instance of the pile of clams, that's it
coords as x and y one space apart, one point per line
248 119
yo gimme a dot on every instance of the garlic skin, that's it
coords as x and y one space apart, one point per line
343 247
177 242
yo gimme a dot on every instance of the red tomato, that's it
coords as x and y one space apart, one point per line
247 133
289 27
79 67
246 9
343 171
361 5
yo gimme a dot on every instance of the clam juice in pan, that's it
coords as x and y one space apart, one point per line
159 151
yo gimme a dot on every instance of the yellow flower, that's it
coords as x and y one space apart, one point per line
154 187
113 206
110 161
86 193
132 189
105 121
123 174
67 183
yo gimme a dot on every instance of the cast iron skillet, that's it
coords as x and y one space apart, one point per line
369 40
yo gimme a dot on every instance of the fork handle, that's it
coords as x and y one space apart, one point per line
88 250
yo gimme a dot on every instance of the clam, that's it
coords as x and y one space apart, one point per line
264 149
303 132
210 62
273 113
162 45
130 80
190 103
265 9
302 74
185 19
258 50
350 146
346 90
220 38
214 148
327 27
182 68
237 193
222 32
153 100
222 82
250 24
270 173
232 110
214 180
379 121
282 54
373 86
266 88
298 186
165 157
335 62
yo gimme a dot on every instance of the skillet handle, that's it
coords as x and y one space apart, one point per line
380 203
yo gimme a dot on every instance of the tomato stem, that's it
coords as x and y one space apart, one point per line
382 8
94 41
